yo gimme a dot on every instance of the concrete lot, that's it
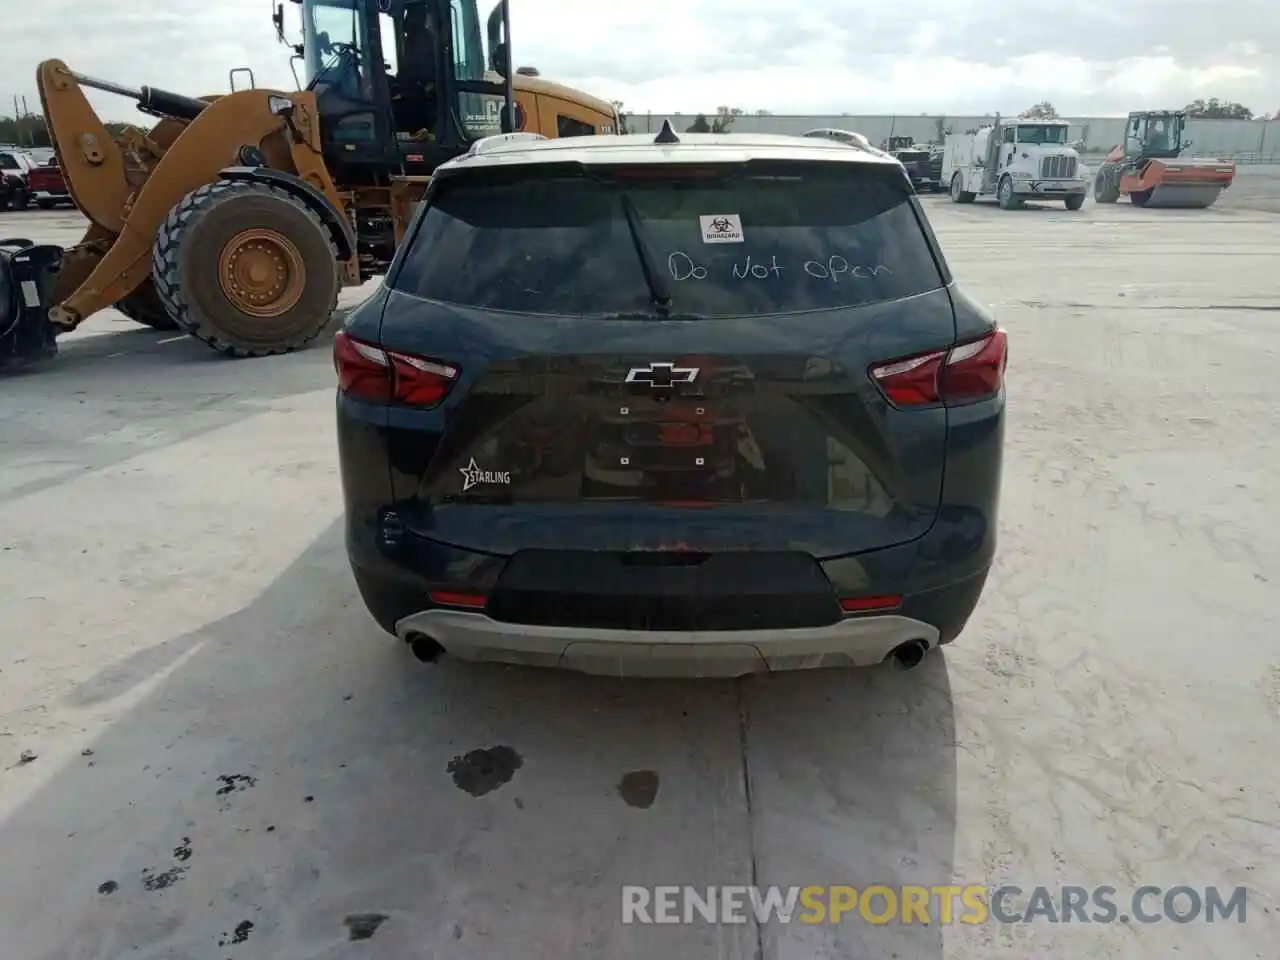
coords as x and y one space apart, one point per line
224 738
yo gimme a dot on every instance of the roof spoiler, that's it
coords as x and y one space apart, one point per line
489 144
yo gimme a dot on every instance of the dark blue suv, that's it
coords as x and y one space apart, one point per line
695 405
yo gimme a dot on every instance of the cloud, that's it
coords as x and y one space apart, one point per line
183 45
911 56
825 56
1076 86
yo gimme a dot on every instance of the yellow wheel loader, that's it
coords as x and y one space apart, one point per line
238 218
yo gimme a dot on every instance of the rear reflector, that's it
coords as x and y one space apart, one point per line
448 598
864 604
967 372
368 372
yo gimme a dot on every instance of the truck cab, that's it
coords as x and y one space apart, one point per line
1014 161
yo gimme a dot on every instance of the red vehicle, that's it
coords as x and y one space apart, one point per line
46 187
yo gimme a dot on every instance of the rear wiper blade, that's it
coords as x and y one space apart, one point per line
659 291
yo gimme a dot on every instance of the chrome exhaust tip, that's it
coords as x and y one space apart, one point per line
424 648
907 655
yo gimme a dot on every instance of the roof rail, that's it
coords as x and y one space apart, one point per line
488 144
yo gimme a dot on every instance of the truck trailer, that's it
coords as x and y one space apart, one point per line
1014 161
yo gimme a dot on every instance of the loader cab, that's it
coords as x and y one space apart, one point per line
1154 134
404 84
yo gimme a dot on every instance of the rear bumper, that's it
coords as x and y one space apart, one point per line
399 600
578 609
853 642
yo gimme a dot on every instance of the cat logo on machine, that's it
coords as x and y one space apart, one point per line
493 115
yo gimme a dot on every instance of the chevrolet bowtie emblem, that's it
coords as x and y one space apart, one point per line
662 375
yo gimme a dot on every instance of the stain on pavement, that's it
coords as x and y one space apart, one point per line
239 935
481 771
235 781
639 788
152 881
362 926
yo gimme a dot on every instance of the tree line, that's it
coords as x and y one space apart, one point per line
1211 109
31 131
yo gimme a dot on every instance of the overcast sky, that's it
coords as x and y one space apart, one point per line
824 56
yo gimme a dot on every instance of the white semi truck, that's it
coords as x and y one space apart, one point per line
1014 161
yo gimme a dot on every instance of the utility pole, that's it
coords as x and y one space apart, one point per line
26 114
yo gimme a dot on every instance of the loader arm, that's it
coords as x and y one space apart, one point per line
192 152
92 164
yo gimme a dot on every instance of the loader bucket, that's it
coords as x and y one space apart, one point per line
27 275
1184 196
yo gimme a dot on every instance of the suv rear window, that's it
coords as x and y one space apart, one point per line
813 237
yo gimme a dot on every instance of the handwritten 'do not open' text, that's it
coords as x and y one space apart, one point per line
681 266
837 265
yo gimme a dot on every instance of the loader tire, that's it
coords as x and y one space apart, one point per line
144 306
247 268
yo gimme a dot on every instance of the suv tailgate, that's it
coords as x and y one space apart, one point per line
583 419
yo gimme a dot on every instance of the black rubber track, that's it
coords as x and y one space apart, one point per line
166 269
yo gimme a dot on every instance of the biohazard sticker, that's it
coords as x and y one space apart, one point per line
722 228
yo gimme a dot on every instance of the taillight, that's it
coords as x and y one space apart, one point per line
965 373
368 372
867 604
363 370
453 598
975 370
